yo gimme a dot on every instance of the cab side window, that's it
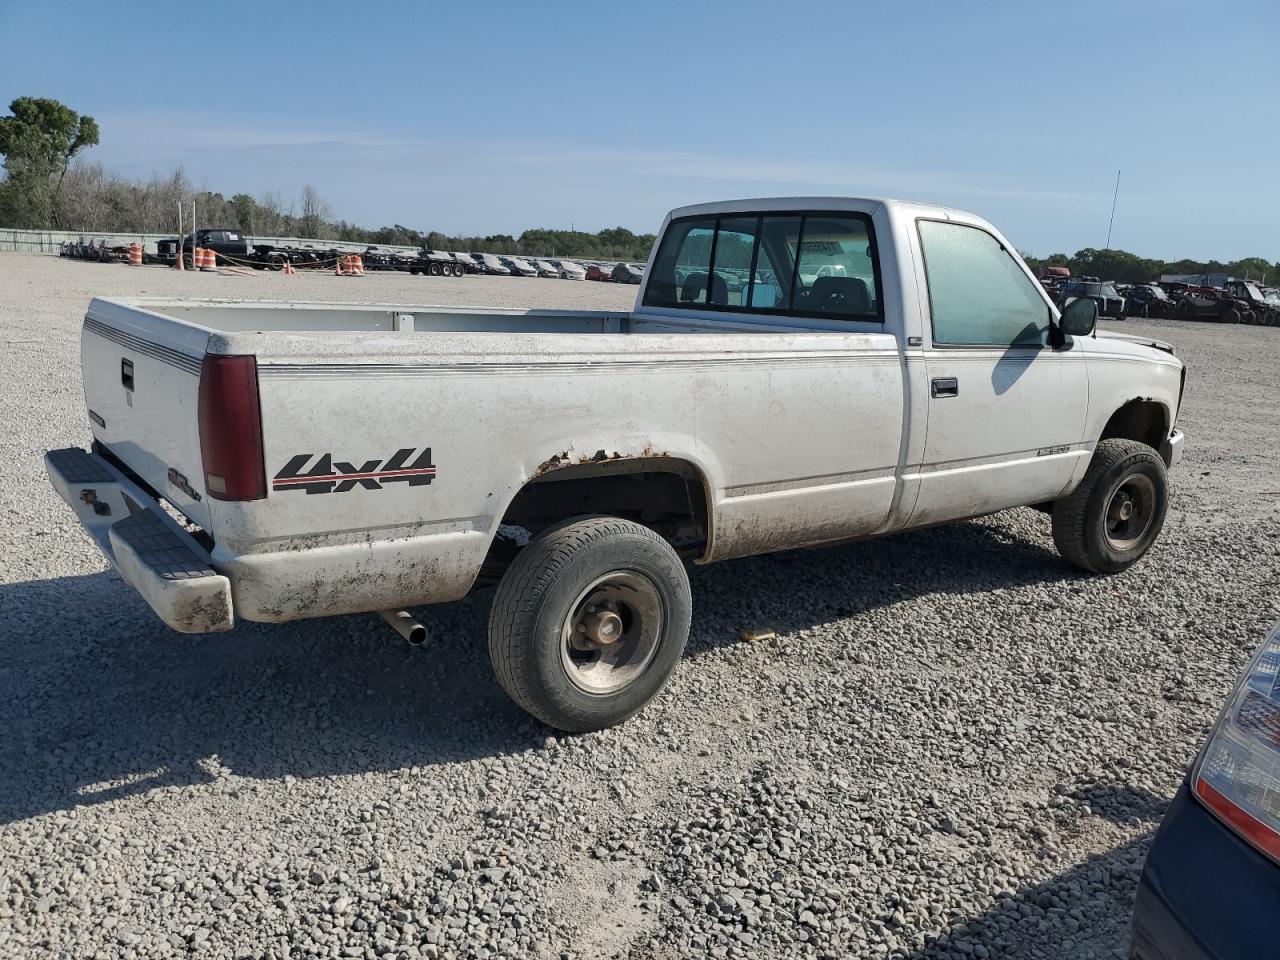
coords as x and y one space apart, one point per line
682 268
978 295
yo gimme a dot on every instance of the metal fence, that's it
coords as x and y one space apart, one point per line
48 241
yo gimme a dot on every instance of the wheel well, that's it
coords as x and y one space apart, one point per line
668 495
1146 421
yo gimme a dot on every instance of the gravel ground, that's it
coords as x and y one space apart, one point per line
957 745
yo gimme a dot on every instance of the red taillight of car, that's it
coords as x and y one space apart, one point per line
231 429
1238 774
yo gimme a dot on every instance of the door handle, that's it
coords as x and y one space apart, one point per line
126 373
944 387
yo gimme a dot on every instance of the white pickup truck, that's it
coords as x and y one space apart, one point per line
795 372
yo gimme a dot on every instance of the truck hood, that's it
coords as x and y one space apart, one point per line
1131 338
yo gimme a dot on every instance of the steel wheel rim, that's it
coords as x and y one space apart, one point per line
626 601
1130 511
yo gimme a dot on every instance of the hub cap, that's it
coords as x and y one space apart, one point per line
612 632
1131 511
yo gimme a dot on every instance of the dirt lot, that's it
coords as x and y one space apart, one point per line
956 746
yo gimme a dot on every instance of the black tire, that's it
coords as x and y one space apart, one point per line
1093 529
1230 316
546 595
434 268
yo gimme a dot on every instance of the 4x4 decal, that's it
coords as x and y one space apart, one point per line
326 476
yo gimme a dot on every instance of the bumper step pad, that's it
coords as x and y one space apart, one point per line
159 547
79 466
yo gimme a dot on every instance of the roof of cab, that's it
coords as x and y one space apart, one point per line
865 204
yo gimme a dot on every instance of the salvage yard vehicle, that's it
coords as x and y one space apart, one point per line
519 267
1105 295
627 273
1148 300
491 265
466 262
436 263
1210 888
229 244
596 271
570 270
324 459
1212 304
1257 308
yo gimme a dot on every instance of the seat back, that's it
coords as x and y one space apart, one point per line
839 295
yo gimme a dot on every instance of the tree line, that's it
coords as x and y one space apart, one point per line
48 185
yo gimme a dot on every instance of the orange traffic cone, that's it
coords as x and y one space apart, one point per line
338 265
210 262
288 268
135 254
357 265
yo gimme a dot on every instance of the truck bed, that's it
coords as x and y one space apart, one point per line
393 438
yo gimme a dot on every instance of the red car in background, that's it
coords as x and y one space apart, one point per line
597 272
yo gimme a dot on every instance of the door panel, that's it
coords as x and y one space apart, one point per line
1006 411
1010 434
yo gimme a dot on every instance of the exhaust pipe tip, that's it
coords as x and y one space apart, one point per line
404 624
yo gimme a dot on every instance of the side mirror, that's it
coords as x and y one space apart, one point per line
1079 317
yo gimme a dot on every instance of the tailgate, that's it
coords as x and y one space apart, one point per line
141 373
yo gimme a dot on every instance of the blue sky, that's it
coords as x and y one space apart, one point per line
481 117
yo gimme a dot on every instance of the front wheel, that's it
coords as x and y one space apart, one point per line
1113 517
589 621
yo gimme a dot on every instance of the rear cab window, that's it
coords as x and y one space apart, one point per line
794 264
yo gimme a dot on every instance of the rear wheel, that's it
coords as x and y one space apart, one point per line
589 621
1230 316
434 268
1112 518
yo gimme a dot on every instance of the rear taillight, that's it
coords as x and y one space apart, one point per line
1238 775
231 429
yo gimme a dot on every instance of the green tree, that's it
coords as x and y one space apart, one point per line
39 139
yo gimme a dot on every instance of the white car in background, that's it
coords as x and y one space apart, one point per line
546 268
570 270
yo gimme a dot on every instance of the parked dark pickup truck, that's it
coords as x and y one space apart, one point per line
225 243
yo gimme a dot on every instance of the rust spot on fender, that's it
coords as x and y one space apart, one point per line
551 463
